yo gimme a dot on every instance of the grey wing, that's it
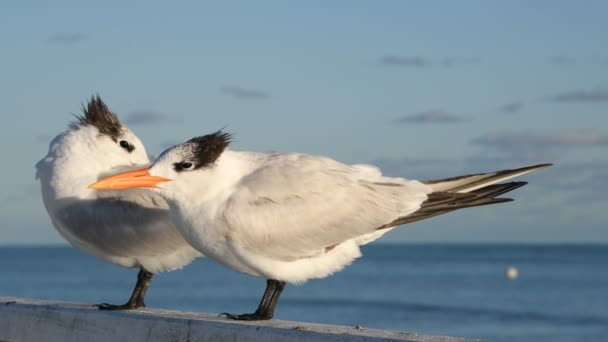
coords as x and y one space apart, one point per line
119 227
297 208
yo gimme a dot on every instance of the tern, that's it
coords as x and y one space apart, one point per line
129 228
290 217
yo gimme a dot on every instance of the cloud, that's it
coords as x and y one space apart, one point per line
512 107
245 94
585 182
569 191
566 182
454 61
437 167
572 174
432 116
420 62
594 95
577 183
66 38
144 118
568 138
404 61
562 60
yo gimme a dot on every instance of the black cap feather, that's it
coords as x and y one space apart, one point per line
97 114
207 148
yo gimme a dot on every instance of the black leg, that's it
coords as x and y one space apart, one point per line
144 278
275 299
269 301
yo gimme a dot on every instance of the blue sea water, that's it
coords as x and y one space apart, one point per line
459 290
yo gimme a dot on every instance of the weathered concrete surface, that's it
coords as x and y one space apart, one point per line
32 320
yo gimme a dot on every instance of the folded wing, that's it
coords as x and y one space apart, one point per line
298 205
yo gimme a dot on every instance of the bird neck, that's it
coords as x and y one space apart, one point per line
210 188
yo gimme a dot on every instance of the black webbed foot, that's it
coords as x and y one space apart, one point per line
137 297
247 317
126 306
269 301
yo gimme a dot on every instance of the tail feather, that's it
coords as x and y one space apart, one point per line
439 203
450 194
498 189
443 202
470 183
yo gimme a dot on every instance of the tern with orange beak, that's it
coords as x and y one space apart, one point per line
290 217
128 228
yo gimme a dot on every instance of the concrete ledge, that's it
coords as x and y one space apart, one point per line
32 320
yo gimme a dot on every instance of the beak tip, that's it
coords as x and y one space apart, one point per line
95 186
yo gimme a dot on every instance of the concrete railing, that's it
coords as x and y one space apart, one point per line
33 320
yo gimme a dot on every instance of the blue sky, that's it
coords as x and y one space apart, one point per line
423 89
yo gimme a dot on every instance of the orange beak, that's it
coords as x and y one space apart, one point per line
127 180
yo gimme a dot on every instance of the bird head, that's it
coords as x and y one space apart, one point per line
174 168
97 139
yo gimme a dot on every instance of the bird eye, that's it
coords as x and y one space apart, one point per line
183 166
125 144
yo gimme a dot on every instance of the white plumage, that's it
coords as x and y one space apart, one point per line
128 228
293 217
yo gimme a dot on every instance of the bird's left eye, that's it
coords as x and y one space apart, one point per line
183 166
125 144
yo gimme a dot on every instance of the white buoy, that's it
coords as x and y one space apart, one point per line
511 273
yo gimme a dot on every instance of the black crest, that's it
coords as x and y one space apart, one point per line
207 148
97 114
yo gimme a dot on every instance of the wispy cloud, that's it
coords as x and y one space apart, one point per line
403 61
573 185
562 60
144 118
66 38
594 95
437 167
574 137
512 107
577 188
245 94
584 181
420 62
429 117
455 61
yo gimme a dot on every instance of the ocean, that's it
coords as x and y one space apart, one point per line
561 293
